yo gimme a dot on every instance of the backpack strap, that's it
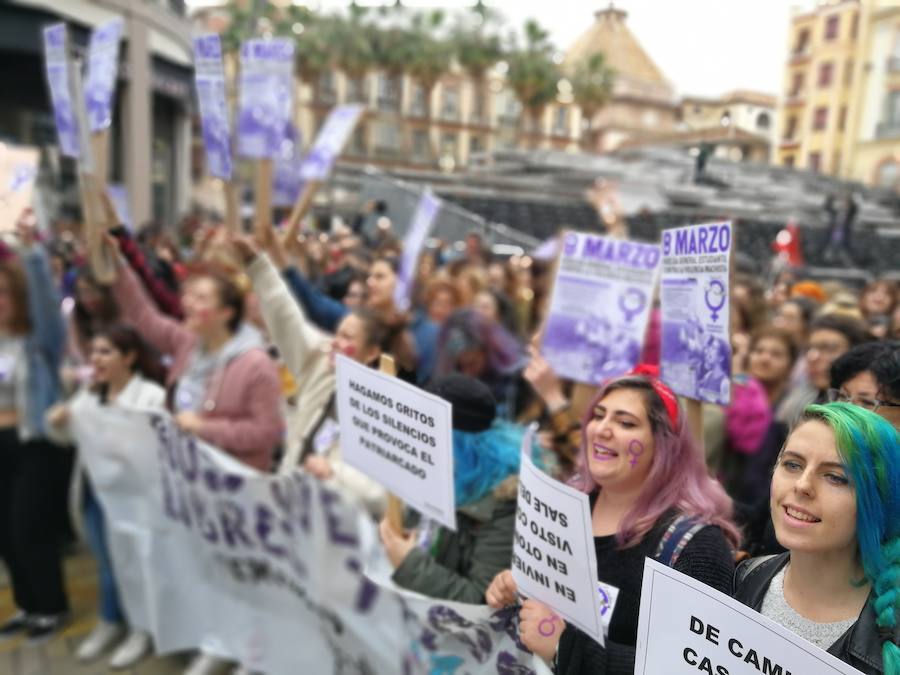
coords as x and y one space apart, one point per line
676 537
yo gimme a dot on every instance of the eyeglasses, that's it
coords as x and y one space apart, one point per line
873 404
826 347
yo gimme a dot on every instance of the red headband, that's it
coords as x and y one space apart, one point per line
670 401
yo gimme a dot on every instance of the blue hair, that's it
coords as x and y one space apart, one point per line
484 459
869 446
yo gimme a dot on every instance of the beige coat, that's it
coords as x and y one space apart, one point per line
304 350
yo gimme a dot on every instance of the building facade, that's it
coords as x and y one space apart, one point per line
151 131
840 109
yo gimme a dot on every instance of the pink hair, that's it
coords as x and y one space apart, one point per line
678 477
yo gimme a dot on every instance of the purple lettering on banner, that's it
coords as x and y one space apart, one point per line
266 96
328 498
696 345
588 337
209 80
205 524
368 591
265 526
188 458
58 70
103 65
423 219
232 522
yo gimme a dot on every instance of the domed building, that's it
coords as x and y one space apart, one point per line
643 106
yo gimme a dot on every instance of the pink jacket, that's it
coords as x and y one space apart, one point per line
242 413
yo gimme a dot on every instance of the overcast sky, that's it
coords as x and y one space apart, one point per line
704 47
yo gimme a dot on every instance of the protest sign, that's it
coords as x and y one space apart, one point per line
103 66
118 195
209 79
59 81
330 142
266 100
209 552
423 219
18 171
554 560
696 343
286 181
600 306
686 627
398 435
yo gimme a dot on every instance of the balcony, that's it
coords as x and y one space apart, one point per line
800 56
889 129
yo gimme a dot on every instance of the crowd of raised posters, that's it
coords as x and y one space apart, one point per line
548 507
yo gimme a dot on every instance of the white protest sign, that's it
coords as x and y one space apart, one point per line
330 142
423 219
18 171
103 66
696 343
554 560
59 81
686 627
209 79
601 302
266 97
398 435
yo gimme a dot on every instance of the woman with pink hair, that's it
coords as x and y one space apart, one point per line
651 496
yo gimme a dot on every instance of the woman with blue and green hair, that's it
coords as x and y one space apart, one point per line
835 505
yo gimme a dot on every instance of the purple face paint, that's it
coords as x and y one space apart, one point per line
635 449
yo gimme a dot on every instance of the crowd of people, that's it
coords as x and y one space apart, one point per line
790 501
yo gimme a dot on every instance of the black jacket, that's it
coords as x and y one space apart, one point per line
859 647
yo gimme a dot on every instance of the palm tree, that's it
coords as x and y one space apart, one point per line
431 57
314 50
592 86
533 74
478 48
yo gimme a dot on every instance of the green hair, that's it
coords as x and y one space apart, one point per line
869 447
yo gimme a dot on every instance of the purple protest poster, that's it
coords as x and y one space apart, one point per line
56 61
601 302
696 343
266 97
209 79
103 65
426 212
330 142
286 181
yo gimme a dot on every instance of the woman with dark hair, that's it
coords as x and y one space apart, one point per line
126 374
472 345
223 386
313 440
459 565
93 308
877 301
771 357
647 484
835 506
32 340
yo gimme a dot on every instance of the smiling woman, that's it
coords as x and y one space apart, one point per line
836 509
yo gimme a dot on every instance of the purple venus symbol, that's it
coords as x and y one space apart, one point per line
632 301
604 601
571 243
714 297
635 449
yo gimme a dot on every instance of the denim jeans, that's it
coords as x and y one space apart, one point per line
95 527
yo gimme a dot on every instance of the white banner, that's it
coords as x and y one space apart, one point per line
266 570
686 627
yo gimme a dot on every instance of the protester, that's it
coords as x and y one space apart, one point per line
771 358
835 509
869 376
313 441
459 565
877 301
222 385
646 480
32 340
126 375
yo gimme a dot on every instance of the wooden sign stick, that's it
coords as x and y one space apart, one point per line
394 512
263 217
232 208
99 217
301 208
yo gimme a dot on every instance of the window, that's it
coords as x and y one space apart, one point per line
419 106
448 144
450 103
820 118
854 27
892 112
888 175
387 137
388 92
848 73
832 27
802 41
326 88
789 160
475 145
561 120
763 121
814 161
790 129
420 149
842 118
796 84
358 142
356 90
826 72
